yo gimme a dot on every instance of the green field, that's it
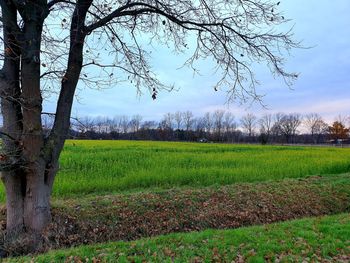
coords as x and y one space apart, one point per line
133 189
99 167
306 240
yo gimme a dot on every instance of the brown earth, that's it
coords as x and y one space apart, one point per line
92 220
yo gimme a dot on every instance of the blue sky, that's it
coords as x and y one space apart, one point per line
323 85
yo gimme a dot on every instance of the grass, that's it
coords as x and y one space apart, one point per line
140 189
100 167
312 239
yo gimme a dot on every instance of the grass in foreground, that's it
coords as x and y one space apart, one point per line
316 239
101 167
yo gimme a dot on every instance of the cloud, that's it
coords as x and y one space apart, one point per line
323 86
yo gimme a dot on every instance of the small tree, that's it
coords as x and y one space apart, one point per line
49 46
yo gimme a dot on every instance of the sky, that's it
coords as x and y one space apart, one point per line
323 85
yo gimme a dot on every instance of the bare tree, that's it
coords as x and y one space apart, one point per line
229 122
178 119
124 123
248 123
208 120
135 123
167 121
115 124
218 117
288 124
101 124
188 120
199 124
148 125
109 125
229 126
276 127
50 46
316 126
266 123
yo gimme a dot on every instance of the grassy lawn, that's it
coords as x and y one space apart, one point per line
311 239
100 167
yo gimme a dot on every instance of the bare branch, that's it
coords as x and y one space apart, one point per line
52 3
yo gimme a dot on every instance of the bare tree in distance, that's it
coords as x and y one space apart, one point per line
148 125
168 120
229 125
49 46
272 129
179 120
277 121
135 122
115 124
289 124
315 125
248 123
208 120
124 123
229 122
218 120
266 123
101 124
178 117
188 119
199 125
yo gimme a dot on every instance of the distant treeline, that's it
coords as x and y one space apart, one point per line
217 126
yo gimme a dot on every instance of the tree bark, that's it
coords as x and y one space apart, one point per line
14 187
28 206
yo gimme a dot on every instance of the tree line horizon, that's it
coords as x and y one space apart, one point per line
217 126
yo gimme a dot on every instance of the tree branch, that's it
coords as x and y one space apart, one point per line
55 141
52 3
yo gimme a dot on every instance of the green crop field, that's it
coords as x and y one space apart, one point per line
100 167
141 188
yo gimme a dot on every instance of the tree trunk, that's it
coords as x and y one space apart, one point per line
15 188
28 206
36 200
29 160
